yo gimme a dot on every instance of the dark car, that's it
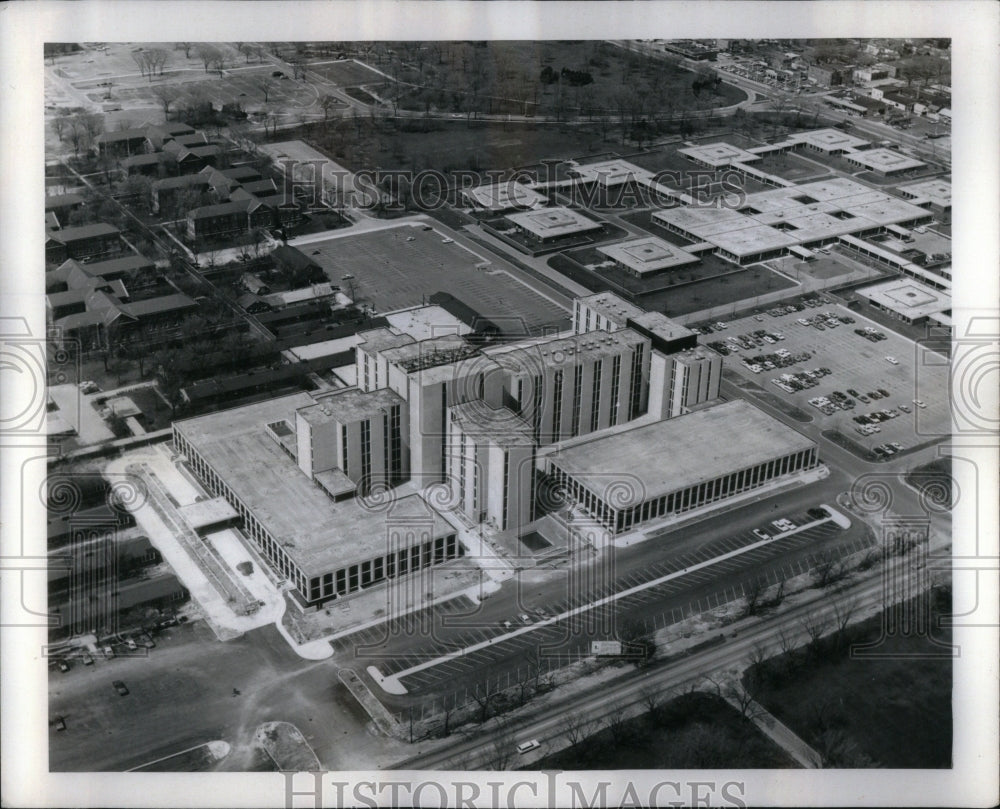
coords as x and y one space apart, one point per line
120 688
59 723
63 665
884 392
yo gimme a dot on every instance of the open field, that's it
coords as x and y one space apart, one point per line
347 73
694 731
245 85
891 708
447 145
510 80
384 266
791 167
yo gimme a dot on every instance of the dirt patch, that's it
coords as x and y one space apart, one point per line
287 747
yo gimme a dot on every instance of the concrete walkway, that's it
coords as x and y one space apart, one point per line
779 733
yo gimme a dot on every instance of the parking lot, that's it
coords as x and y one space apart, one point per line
507 659
855 363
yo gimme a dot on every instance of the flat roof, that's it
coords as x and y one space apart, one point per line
381 339
566 351
501 196
426 322
694 448
611 172
662 326
829 139
552 222
885 160
349 406
317 534
908 297
782 217
719 154
612 306
324 348
502 425
648 255
207 512
936 191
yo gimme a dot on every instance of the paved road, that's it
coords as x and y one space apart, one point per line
548 725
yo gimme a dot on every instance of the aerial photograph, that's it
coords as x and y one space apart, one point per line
498 405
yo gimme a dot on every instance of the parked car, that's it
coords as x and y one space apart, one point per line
761 534
892 360
120 688
87 659
528 746
108 652
59 723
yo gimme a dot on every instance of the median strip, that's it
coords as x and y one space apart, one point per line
393 684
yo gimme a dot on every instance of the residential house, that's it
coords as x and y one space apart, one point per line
123 143
83 242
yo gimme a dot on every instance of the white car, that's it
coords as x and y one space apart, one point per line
892 360
447 241
527 747
919 404
761 534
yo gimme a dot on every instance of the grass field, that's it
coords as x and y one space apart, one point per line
242 84
697 731
512 69
791 167
449 146
890 711
397 267
347 73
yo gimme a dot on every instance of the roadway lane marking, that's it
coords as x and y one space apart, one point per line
691 569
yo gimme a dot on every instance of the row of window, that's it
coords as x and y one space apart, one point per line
686 499
406 560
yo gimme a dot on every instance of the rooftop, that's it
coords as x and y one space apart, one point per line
502 196
611 172
829 139
719 154
695 448
550 223
611 306
375 340
648 255
349 406
907 297
83 232
318 534
567 351
426 322
660 325
886 160
936 191
502 425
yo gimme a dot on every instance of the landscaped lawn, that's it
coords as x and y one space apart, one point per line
891 709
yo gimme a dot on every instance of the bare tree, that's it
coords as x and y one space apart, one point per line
157 59
827 572
502 748
652 698
264 84
617 724
752 592
207 54
141 58
739 696
815 626
484 696
576 727
246 48
167 95
61 125
184 46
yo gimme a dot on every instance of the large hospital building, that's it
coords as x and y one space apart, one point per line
331 486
